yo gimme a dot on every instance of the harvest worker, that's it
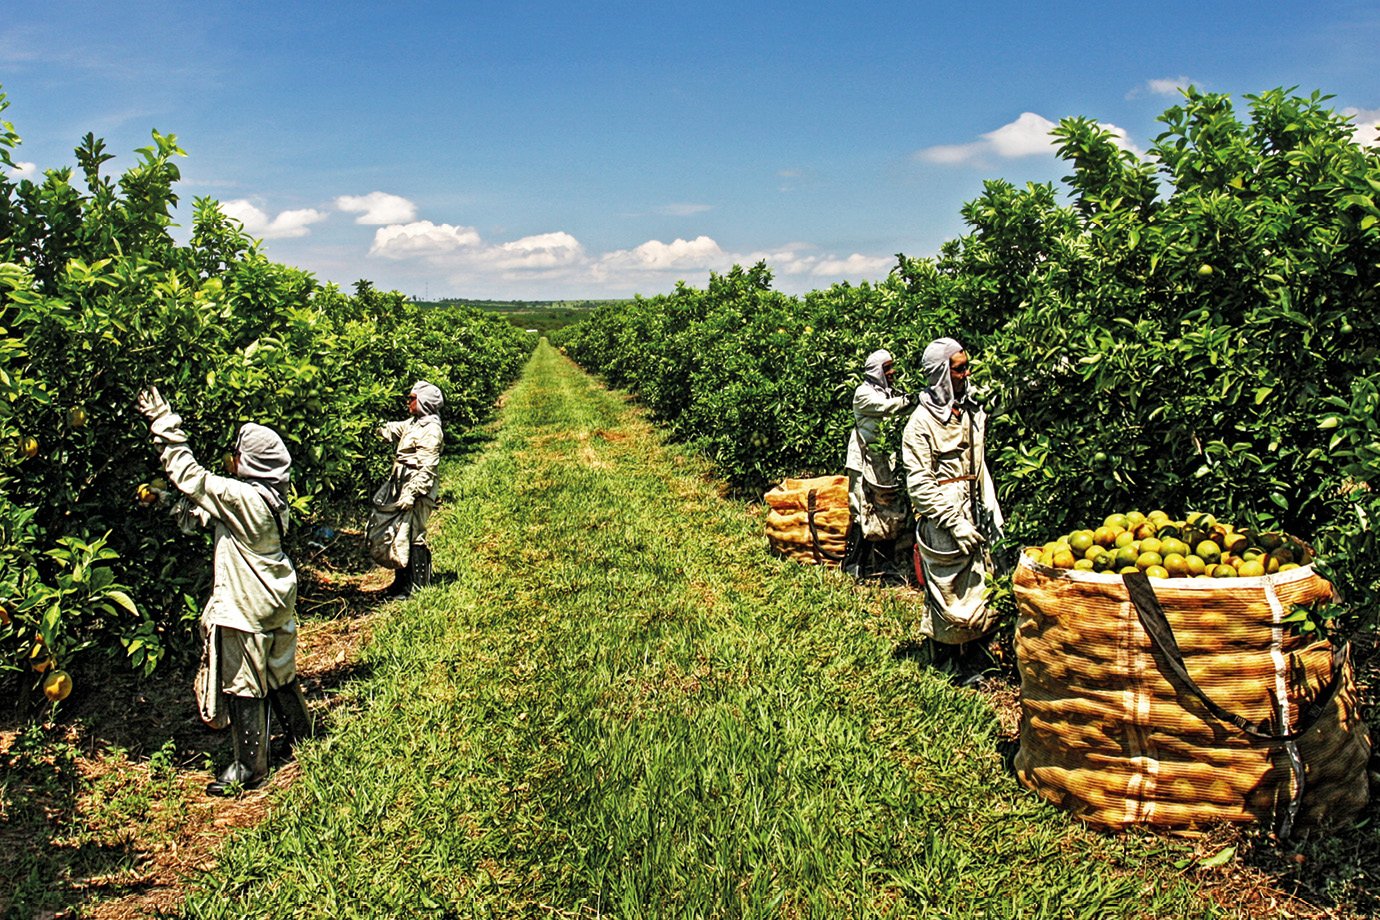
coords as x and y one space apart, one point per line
403 504
956 512
248 626
869 462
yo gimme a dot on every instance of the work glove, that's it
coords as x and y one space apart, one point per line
151 404
164 424
966 536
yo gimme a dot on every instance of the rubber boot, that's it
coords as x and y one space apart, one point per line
854 549
402 581
883 566
420 566
249 732
974 663
291 712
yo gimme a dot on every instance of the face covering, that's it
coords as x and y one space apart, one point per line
939 396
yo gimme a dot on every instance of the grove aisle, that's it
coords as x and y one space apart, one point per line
614 703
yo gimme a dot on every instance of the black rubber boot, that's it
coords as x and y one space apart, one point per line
420 567
402 581
974 663
854 550
291 712
249 732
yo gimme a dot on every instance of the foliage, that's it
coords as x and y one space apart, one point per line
96 300
1194 329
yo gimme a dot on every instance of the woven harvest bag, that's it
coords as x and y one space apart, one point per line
807 519
1178 702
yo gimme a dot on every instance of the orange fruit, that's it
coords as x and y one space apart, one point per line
1063 559
1157 571
1176 565
1251 568
57 685
1151 545
1223 571
1195 564
1209 551
1116 520
1080 541
1147 559
1125 556
1104 536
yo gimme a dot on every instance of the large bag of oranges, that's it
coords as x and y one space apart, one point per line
1177 701
807 519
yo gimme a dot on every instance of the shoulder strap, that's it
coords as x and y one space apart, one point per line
1157 627
820 553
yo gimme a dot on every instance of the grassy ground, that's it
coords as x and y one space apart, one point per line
615 703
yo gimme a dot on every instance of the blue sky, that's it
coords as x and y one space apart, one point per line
545 150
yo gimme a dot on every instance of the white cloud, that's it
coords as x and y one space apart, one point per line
1367 125
422 238
1163 86
24 170
378 208
544 250
684 209
286 225
1027 136
654 255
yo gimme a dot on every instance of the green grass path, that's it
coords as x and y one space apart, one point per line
615 703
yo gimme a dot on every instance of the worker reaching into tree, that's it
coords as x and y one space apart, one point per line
248 626
403 504
874 507
956 513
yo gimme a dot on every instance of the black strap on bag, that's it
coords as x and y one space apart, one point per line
820 553
1157 627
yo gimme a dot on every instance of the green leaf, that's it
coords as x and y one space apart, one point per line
1220 858
123 600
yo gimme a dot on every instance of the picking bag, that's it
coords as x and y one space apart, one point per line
807 519
1178 702
885 511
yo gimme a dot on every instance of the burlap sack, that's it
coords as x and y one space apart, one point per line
807 519
1109 732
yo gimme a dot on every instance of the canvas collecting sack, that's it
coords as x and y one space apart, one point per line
389 531
884 511
807 519
1184 703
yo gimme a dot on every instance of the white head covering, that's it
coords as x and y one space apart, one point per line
938 397
429 400
264 459
874 371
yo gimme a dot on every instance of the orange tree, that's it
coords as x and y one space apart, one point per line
96 300
1190 329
